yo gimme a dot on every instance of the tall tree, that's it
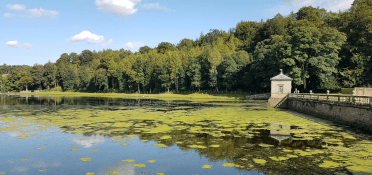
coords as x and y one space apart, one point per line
193 72
144 49
214 59
314 50
49 74
163 47
37 73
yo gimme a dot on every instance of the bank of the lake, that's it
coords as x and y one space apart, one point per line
197 97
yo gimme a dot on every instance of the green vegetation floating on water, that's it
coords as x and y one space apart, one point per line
249 139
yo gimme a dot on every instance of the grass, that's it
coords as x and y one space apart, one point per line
195 97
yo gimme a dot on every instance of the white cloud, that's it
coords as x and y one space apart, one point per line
133 44
16 7
330 5
14 44
26 46
154 6
33 12
42 12
124 168
109 42
86 35
118 7
42 164
102 45
20 169
8 15
340 5
88 142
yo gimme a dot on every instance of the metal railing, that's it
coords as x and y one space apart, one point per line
339 99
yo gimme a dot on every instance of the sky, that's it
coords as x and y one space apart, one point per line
35 32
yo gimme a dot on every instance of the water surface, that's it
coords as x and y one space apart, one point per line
68 135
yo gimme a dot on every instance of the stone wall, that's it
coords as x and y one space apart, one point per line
287 86
362 91
275 99
356 116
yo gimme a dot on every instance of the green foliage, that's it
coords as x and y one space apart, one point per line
144 49
347 90
230 68
25 82
194 74
330 83
164 47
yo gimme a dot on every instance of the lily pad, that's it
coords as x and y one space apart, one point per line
206 166
85 159
228 164
260 161
139 165
128 160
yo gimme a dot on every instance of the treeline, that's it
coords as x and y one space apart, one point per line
320 50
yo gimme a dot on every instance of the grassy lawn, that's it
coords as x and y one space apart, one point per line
197 97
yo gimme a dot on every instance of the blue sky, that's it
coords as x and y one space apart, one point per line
39 31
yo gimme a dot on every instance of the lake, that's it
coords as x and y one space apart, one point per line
123 136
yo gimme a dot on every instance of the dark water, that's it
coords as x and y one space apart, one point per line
45 135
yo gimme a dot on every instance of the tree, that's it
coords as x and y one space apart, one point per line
175 64
144 49
185 44
230 68
275 26
214 59
165 46
49 74
194 74
270 55
247 32
86 57
309 13
100 80
25 82
241 58
139 69
314 50
37 73
356 64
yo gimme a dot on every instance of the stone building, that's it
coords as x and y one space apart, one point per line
281 85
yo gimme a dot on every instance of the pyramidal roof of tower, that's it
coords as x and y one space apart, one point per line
281 76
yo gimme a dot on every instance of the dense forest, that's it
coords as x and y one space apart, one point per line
320 50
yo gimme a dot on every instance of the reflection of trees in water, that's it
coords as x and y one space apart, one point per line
83 102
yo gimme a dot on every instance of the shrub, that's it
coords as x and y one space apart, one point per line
347 90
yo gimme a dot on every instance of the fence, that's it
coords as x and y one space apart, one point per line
339 99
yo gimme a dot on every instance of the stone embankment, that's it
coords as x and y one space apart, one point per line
355 111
